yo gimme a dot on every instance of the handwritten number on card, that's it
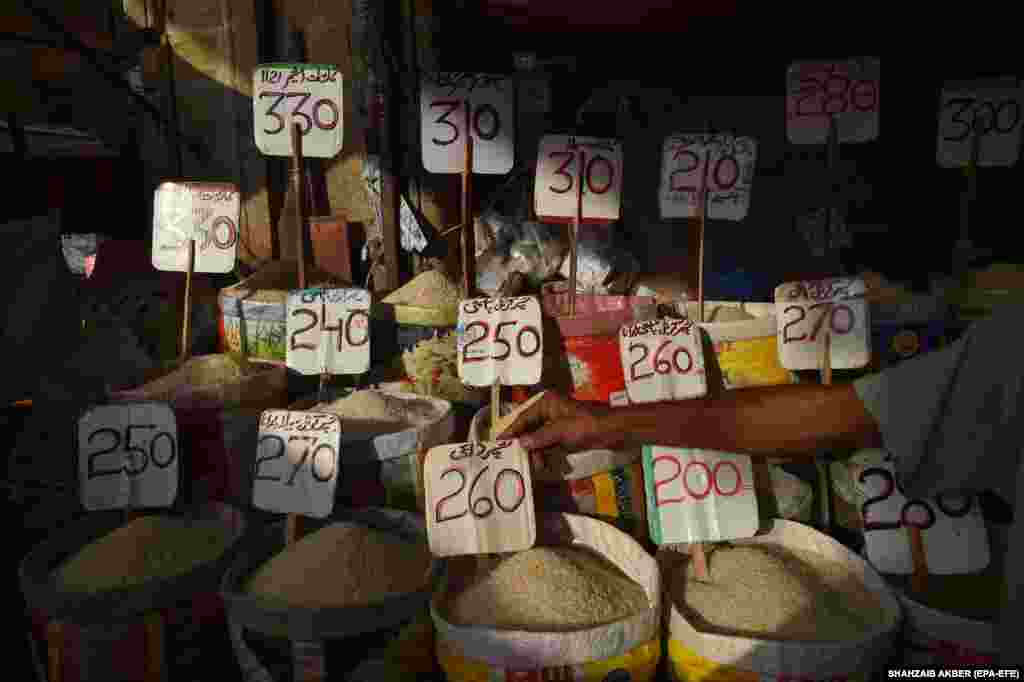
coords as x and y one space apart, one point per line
140 456
905 517
711 476
982 124
525 349
589 185
281 448
479 112
829 310
317 119
474 506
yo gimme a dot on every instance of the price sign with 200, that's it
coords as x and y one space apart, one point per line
307 94
663 360
500 340
991 114
722 164
311 350
846 92
479 499
808 311
206 211
594 163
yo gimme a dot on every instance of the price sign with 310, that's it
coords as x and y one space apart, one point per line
847 91
205 211
990 112
500 339
662 360
807 312
328 329
564 163
310 95
722 164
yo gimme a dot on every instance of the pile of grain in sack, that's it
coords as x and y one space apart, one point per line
372 413
429 289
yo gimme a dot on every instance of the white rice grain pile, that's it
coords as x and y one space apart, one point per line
371 413
430 289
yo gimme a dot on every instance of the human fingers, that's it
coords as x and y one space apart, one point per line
548 407
551 434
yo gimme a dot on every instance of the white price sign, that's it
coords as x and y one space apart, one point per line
847 91
698 495
297 461
451 103
310 95
479 499
992 114
204 211
565 160
952 527
807 312
328 330
500 340
722 164
662 360
128 456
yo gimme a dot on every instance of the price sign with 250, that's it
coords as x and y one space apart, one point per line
698 495
500 340
311 349
310 95
479 499
808 311
595 163
990 113
722 164
206 211
128 456
662 360
847 92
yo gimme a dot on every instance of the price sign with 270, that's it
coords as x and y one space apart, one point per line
662 360
479 499
310 95
847 92
989 112
128 456
500 340
698 495
721 164
205 211
807 312
565 164
311 347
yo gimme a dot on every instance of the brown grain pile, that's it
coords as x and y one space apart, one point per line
429 289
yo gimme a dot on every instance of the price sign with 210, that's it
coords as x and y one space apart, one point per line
500 340
722 164
808 311
309 95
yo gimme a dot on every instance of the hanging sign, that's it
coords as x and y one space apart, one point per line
723 164
558 170
662 360
297 462
698 495
500 340
992 112
328 330
205 211
308 94
845 90
479 499
807 311
489 101
128 456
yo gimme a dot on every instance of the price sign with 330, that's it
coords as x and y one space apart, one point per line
328 330
722 164
564 163
662 360
952 526
205 211
847 91
297 462
310 95
446 99
128 456
807 312
698 495
990 112
500 339
479 499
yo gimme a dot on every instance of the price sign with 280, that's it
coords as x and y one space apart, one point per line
846 92
297 462
500 340
662 360
128 456
721 164
479 499
206 211
992 114
565 164
808 311
309 95
315 344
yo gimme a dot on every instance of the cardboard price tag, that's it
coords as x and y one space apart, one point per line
558 170
952 527
500 340
308 94
479 499
989 111
205 211
807 311
724 164
297 462
847 90
128 456
698 495
489 100
662 360
328 329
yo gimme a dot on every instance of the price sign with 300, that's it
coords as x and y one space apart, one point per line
722 164
808 311
500 339
952 527
315 344
489 101
990 113
310 95
128 456
562 162
698 495
297 462
847 91
662 360
479 499
206 211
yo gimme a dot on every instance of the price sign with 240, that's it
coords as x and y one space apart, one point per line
662 360
698 495
315 345
989 112
128 456
722 164
565 162
808 311
307 94
846 91
500 340
297 461
205 211
479 499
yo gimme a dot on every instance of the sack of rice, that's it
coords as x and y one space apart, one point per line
584 603
792 602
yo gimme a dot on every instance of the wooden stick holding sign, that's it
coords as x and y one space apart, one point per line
187 307
468 229
574 236
299 187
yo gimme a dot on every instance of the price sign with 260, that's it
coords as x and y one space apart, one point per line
721 164
990 114
662 360
206 211
846 92
479 499
309 95
808 311
451 103
311 348
567 165
500 340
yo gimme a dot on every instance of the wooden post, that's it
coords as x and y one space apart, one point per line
54 651
700 562
187 307
154 626
468 227
495 404
299 188
574 236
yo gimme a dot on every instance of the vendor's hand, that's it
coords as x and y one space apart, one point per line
557 421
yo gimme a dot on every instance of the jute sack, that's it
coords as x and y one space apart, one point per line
695 655
629 649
